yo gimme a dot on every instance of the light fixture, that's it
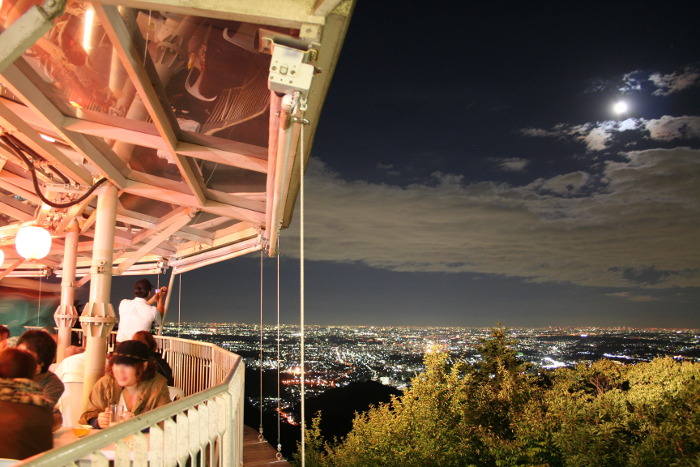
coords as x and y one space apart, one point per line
47 138
33 242
2 257
87 29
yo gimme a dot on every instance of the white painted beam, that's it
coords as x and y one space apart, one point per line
285 13
241 155
19 84
125 38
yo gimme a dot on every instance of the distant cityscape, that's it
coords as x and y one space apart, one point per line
338 355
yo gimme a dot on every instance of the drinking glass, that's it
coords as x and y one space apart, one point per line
116 414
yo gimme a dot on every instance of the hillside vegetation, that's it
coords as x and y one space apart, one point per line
501 413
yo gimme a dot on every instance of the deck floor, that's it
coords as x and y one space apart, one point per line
258 453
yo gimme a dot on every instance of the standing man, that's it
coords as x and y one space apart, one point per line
138 314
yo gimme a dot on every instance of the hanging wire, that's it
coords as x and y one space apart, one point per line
38 306
279 360
19 148
179 304
148 30
260 436
301 286
216 165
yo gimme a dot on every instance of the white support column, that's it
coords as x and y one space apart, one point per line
98 316
66 315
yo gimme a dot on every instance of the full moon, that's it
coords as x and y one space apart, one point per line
620 107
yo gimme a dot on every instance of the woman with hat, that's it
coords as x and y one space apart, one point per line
131 382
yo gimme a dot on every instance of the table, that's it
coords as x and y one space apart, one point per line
64 436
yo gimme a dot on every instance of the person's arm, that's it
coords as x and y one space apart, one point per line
161 301
96 404
159 298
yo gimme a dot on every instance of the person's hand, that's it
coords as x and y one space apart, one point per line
163 291
103 419
127 416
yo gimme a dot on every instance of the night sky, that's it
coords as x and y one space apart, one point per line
468 169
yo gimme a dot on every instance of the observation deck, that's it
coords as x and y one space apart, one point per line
141 136
203 428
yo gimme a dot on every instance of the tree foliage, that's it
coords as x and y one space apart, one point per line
496 413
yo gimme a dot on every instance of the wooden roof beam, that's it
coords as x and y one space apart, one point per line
285 13
16 209
11 121
241 155
128 44
153 241
20 85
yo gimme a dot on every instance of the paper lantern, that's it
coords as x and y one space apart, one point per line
33 242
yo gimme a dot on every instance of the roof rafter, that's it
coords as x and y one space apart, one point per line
286 13
20 85
125 40
242 155
153 241
9 120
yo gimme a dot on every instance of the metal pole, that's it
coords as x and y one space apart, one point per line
167 303
66 315
98 316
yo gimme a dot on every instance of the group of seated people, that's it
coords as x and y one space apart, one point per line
136 378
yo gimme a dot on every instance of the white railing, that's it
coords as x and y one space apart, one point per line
205 428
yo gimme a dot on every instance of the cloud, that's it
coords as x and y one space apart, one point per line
538 132
637 229
570 183
644 82
675 82
596 136
633 298
632 82
599 136
513 164
668 128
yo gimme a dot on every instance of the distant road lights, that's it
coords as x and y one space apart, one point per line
620 107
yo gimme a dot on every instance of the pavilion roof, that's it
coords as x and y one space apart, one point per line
179 104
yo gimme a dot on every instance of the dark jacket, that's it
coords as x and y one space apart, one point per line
51 386
25 419
163 368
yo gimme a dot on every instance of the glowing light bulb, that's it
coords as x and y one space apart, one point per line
33 242
2 257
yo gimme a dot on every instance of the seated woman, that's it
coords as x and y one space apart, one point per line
131 381
43 348
25 413
161 365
